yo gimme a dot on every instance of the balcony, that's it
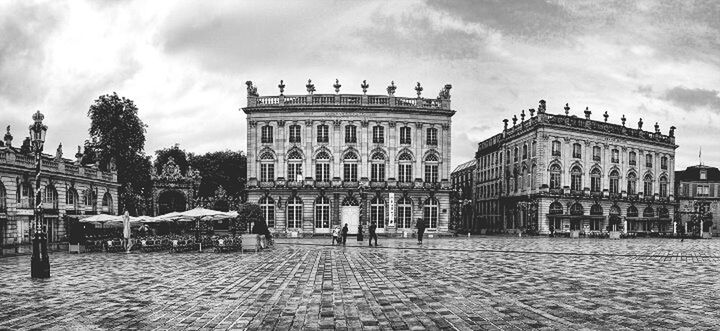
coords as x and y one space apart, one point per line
266 184
294 183
350 184
405 184
25 203
322 184
378 184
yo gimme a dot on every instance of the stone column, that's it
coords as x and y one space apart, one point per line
392 144
281 143
419 144
336 141
252 149
363 158
308 150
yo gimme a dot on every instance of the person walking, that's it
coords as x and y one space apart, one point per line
335 235
372 235
420 225
344 233
360 233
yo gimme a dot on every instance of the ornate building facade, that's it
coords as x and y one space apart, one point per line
564 173
462 180
320 160
172 190
69 190
697 190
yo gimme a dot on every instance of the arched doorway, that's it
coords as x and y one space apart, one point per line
170 201
350 214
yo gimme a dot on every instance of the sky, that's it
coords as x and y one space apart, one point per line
185 63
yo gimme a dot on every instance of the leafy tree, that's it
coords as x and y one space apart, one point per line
224 168
179 155
248 214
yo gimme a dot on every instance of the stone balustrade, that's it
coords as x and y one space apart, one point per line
348 100
52 166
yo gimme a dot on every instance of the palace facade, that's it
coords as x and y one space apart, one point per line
69 190
563 173
317 161
697 190
462 180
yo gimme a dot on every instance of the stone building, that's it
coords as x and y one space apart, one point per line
462 180
573 173
320 160
69 190
697 190
172 190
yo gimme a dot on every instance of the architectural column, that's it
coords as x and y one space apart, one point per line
252 149
447 151
418 143
336 141
364 158
308 150
281 142
392 144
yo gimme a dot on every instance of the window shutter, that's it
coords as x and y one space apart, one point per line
712 190
693 190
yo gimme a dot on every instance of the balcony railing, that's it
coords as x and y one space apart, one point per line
348 99
26 203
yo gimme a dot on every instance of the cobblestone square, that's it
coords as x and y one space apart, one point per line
459 283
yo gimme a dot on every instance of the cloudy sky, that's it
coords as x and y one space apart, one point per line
185 63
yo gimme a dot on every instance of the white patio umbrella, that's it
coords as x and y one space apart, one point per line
126 229
197 214
101 219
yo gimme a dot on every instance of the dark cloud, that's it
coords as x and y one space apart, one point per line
644 90
692 99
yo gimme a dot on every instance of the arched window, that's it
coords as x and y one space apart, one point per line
632 211
267 206
322 212
555 181
377 167
533 171
556 208
3 199
294 213
663 212
649 212
596 210
25 195
322 166
631 183
90 198
377 212
431 169
534 148
267 167
663 186
404 212
577 151
525 152
515 154
350 167
615 211
430 213
576 179
577 209
405 173
294 162
648 185
107 203
595 180
614 182
50 197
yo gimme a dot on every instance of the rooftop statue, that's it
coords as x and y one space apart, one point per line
251 90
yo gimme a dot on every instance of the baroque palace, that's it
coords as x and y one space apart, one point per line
68 190
317 161
562 173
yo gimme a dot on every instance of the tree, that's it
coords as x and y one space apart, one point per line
248 214
118 135
224 168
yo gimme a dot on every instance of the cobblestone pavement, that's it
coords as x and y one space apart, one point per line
459 283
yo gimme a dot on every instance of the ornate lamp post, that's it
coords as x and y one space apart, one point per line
40 262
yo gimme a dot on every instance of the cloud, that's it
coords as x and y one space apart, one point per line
644 90
693 99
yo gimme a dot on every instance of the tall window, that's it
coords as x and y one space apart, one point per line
663 186
90 198
632 211
430 213
577 151
664 163
555 182
267 167
596 153
322 134
534 148
3 199
350 167
405 173
404 213
294 213
631 183
378 134
294 166
614 182
432 138
515 154
267 207
71 198
377 167
322 167
322 213
294 133
507 156
405 135
576 179
632 158
350 134
50 196
595 180
524 152
615 156
555 148
648 160
556 208
648 185
377 212
266 134
431 169
532 173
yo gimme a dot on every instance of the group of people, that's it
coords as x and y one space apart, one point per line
339 236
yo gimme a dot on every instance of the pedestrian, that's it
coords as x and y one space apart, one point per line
552 231
372 235
335 235
360 233
420 225
344 233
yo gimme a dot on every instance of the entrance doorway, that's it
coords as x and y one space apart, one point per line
350 214
170 201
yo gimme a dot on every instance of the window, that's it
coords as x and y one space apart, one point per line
507 156
663 186
350 134
595 180
577 151
431 138
404 213
405 135
322 167
596 210
556 208
663 212
648 185
534 148
524 152
431 169
703 174
555 148
3 197
377 167
649 212
378 135
597 153
631 183
50 196
577 209
377 212
430 213
405 168
267 167
632 158
648 160
90 198
615 156
266 136
294 167
71 198
575 179
350 167
322 134
663 163
614 182
532 177
295 133
322 213
555 181
702 190
267 207
294 213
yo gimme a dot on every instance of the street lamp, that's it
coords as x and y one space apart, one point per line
40 262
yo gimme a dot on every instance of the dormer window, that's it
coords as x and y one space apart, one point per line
703 174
